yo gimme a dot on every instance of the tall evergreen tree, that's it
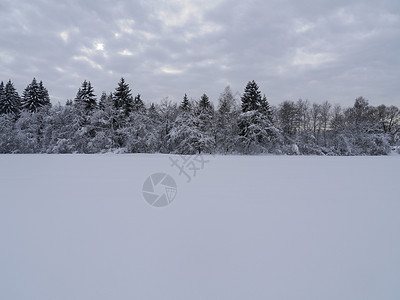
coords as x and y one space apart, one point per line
44 95
85 98
204 103
10 102
185 105
251 99
35 96
265 108
226 122
103 99
2 97
138 104
123 100
256 131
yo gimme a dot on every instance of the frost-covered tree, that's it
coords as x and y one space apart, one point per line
256 131
204 114
123 100
31 129
204 103
103 99
35 96
265 108
8 134
389 119
2 97
185 105
325 115
85 97
226 122
315 118
288 118
44 95
10 102
251 99
167 112
185 135
138 105
192 129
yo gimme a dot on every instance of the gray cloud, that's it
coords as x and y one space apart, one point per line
332 50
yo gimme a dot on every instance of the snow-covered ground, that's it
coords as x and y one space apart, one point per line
260 227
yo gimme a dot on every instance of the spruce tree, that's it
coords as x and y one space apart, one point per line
10 102
123 100
85 98
256 131
226 117
44 95
203 120
2 97
265 108
185 105
204 103
90 98
35 96
251 99
226 101
138 104
103 99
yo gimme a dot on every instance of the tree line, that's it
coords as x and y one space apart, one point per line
245 124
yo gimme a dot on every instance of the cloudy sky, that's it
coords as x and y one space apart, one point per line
315 50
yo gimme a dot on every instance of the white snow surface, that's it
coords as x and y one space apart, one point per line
245 227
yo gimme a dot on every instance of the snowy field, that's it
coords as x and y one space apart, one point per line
261 227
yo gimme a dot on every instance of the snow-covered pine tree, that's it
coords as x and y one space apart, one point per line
103 99
265 108
204 103
10 102
138 105
123 100
35 96
256 131
90 98
44 95
185 136
85 98
78 98
185 105
226 122
251 99
167 112
2 97
205 120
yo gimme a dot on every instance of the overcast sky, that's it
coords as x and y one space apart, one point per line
316 50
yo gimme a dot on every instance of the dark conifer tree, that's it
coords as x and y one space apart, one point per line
251 99
44 95
204 103
265 108
2 97
103 100
185 105
85 98
257 132
30 97
123 100
138 104
10 102
35 96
